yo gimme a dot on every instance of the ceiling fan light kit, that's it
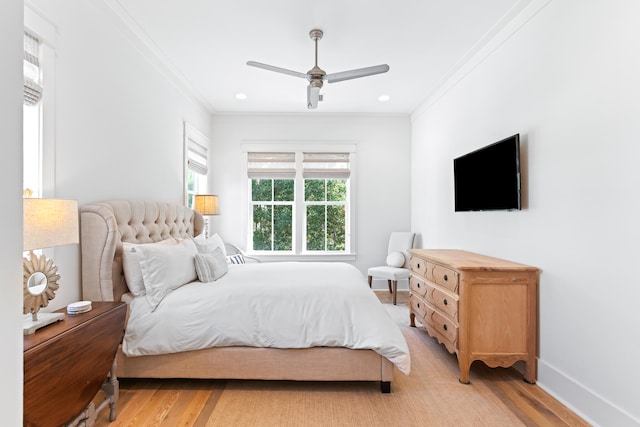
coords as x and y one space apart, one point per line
317 76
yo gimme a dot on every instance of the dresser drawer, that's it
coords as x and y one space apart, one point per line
418 266
417 306
442 324
443 301
418 286
444 277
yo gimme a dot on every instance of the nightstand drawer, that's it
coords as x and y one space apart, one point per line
444 277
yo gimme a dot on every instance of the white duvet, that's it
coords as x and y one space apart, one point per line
281 305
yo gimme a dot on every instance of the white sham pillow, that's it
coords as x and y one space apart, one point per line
131 265
211 266
207 245
166 267
395 259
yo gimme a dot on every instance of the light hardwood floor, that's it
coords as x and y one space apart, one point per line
430 396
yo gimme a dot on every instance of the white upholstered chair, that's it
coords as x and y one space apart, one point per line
397 262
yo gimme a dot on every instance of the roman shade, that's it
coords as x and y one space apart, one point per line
271 165
326 165
32 81
196 157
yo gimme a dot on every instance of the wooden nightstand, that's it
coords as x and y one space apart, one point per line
66 364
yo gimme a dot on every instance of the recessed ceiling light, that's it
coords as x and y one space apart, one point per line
241 96
384 98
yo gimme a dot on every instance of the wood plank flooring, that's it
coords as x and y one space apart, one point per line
430 396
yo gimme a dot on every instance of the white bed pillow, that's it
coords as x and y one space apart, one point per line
211 266
166 267
207 245
131 265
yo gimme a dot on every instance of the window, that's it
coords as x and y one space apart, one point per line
299 202
326 191
32 113
196 160
272 180
39 104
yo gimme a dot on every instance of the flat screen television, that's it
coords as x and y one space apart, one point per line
489 178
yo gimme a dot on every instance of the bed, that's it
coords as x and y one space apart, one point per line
258 351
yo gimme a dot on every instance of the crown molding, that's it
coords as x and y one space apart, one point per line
510 23
150 50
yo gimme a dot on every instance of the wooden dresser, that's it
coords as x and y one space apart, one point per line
66 364
480 308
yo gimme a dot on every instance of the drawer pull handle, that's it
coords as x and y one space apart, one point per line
445 302
418 305
445 326
418 285
446 277
418 265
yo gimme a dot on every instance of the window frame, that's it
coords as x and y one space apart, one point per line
299 222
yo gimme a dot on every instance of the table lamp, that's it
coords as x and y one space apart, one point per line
207 205
46 223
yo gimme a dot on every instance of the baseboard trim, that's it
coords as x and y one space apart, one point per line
593 408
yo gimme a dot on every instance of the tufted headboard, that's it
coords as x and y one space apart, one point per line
105 225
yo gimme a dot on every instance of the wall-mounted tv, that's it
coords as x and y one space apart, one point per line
489 178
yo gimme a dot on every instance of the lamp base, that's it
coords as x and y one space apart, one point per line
29 326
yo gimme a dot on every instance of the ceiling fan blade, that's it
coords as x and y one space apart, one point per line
354 74
277 69
313 96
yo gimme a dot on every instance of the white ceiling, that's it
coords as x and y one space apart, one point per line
206 44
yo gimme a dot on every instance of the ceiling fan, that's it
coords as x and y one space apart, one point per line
316 76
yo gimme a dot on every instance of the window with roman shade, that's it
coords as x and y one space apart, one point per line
196 154
299 201
326 195
272 180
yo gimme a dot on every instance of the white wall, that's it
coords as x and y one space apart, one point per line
567 81
11 196
119 119
382 170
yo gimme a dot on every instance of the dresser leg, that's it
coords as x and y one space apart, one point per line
412 320
465 367
530 371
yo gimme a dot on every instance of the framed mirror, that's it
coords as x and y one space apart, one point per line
40 283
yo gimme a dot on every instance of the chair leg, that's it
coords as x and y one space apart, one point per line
395 291
369 280
389 284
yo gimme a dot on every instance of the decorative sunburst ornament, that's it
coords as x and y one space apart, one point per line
40 282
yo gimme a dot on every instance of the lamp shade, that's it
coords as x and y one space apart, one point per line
206 204
49 222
